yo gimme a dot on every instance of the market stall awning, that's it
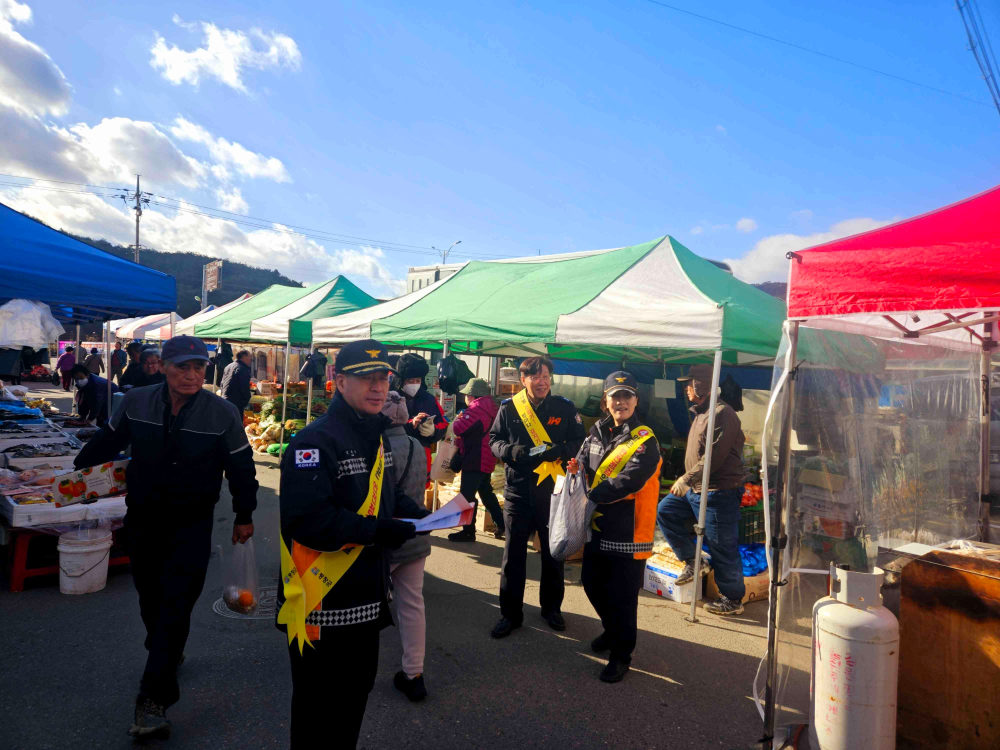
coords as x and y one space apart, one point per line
294 321
946 260
79 282
656 301
140 328
186 326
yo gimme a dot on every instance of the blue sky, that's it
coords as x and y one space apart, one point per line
513 127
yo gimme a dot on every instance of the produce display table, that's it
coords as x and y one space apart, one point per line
44 546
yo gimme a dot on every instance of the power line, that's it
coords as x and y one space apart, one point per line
975 30
816 52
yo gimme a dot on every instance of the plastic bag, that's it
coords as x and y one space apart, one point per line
570 516
240 584
441 467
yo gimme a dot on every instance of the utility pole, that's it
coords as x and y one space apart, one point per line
140 198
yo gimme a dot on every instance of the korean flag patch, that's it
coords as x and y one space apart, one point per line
307 459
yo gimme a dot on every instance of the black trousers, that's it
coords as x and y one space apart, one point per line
168 567
522 523
479 481
613 584
330 687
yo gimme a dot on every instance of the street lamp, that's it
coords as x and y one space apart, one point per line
444 253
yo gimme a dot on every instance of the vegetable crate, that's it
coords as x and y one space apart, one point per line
752 525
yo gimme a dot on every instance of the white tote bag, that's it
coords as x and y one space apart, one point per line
570 516
441 467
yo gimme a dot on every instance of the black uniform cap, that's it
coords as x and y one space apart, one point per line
363 357
620 381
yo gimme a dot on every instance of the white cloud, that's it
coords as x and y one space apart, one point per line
766 260
29 79
721 129
746 224
226 154
232 201
697 230
224 55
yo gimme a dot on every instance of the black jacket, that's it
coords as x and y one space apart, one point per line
175 474
236 385
324 480
94 398
132 376
627 501
425 403
565 428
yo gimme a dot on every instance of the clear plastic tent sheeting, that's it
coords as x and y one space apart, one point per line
884 452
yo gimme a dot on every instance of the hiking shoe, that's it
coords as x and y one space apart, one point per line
413 689
462 536
150 719
504 628
499 533
600 643
687 574
555 621
724 606
615 671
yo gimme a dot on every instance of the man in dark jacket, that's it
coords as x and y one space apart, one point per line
132 377
118 361
183 439
339 508
678 510
530 463
93 390
236 381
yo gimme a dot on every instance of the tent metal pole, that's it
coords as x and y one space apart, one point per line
309 398
218 357
107 361
77 342
284 398
706 473
984 421
778 539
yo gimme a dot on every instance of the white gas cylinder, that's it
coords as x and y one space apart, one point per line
854 667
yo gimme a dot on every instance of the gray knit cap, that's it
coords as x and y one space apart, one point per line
395 408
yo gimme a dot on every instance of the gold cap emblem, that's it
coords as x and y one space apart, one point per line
620 380
373 353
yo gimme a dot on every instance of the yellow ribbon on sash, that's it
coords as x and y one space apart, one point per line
616 459
538 436
308 575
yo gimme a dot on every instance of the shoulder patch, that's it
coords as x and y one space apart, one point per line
307 458
579 419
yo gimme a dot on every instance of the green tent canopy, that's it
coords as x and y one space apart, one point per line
657 301
280 312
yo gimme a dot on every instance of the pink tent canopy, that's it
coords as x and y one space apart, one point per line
945 260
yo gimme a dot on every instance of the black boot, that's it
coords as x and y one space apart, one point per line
413 689
615 671
467 534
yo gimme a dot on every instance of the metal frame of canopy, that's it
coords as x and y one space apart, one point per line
952 321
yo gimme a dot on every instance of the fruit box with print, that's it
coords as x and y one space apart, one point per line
661 579
90 483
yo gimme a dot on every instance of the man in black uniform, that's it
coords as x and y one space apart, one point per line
336 524
529 485
183 439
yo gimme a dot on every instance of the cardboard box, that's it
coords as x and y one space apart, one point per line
661 579
824 479
758 587
90 483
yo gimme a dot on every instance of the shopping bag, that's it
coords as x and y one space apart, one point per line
570 515
240 583
441 467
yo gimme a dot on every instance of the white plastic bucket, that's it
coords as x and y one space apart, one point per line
83 560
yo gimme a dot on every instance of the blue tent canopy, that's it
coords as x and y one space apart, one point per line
79 282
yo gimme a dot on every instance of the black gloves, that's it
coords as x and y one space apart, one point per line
517 454
392 534
551 454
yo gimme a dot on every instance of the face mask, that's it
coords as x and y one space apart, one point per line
81 383
411 389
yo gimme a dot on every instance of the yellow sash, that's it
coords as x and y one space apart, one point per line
614 461
309 575
538 436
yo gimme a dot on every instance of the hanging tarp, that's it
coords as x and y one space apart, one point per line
186 326
294 321
945 260
656 301
78 282
26 323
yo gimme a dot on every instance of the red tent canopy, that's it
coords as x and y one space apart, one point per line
948 259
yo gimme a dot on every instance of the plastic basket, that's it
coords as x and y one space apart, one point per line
752 527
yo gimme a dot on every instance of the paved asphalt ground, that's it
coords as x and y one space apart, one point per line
70 666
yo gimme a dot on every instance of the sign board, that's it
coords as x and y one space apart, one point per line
664 388
212 275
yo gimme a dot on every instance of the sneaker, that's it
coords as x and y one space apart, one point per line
600 643
413 689
499 533
687 574
555 621
615 671
150 719
462 536
724 606
504 628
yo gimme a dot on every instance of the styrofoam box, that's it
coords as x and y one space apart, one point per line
662 581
